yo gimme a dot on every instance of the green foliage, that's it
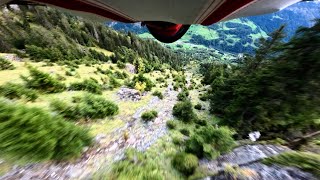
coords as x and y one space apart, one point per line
120 75
209 142
6 64
71 72
265 94
185 163
158 94
305 161
198 106
121 65
136 166
18 91
141 79
160 80
113 83
185 131
184 111
34 134
172 124
149 116
183 95
91 85
42 82
204 97
201 122
85 107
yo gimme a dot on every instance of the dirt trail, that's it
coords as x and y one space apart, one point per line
141 137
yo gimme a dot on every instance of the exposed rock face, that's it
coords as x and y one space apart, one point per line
247 159
129 94
11 57
131 68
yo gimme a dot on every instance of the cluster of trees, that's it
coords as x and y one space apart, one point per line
275 91
46 33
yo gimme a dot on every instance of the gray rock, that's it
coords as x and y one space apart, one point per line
247 158
129 94
131 68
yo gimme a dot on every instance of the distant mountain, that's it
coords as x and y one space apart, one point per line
239 35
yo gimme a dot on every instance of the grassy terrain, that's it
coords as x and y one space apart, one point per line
102 126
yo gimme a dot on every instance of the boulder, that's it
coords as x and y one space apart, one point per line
129 94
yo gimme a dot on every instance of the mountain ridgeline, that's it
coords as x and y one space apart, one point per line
243 34
46 33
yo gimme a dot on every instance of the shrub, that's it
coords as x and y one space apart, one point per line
172 124
185 131
90 85
71 72
185 163
149 116
113 83
88 107
34 134
42 81
160 80
183 95
17 91
204 97
6 65
305 161
158 94
198 106
209 142
121 65
178 140
142 80
136 165
120 75
201 122
184 111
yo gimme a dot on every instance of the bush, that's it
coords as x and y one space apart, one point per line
184 111
136 166
183 95
120 75
185 131
305 161
149 116
42 81
17 91
201 122
172 124
178 140
204 97
113 83
198 106
88 107
34 134
141 79
160 80
121 65
158 94
6 65
90 85
71 72
209 142
185 163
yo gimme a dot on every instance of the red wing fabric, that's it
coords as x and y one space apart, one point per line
203 12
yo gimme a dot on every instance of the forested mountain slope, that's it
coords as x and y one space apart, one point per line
41 32
240 35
